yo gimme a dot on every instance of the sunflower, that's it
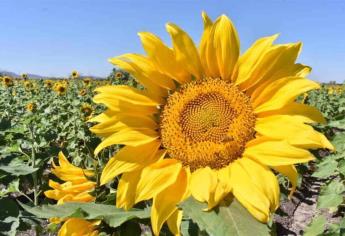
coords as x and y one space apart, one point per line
76 227
209 123
48 83
87 81
76 187
60 88
75 74
82 92
118 75
24 76
87 110
7 81
28 85
31 107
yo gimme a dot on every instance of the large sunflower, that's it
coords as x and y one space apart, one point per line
210 122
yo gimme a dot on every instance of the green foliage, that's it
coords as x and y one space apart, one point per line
228 219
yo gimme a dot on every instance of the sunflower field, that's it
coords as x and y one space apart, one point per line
183 141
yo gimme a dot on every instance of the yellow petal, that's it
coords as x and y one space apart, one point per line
210 186
126 94
273 61
150 70
123 121
185 50
290 172
290 70
126 190
130 137
263 178
174 222
156 177
281 92
248 194
129 159
302 112
293 131
78 227
219 47
163 57
248 61
165 202
276 153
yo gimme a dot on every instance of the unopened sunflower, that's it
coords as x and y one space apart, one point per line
209 123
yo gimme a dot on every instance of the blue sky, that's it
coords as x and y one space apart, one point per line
53 37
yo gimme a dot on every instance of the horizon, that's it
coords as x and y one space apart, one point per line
52 38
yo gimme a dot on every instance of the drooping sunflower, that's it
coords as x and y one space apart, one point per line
209 123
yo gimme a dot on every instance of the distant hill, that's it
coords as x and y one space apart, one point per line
34 76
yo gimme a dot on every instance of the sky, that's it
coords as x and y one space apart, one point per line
54 37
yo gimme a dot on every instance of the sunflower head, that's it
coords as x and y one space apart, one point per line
209 122
60 88
86 109
24 76
31 107
28 85
118 75
75 188
75 74
82 92
77 226
48 83
87 81
7 81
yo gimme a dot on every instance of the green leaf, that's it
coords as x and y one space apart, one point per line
342 167
329 201
9 217
338 123
228 219
338 142
316 227
113 216
18 168
326 169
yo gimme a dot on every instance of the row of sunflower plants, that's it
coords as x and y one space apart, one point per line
330 167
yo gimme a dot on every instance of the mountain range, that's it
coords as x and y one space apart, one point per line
34 76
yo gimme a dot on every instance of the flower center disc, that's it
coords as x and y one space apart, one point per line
207 123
